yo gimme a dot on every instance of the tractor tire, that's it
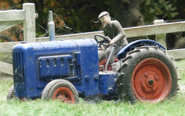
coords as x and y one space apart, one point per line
61 90
147 74
10 93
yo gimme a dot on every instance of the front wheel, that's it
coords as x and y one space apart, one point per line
147 75
61 90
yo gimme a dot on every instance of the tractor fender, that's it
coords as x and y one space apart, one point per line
131 46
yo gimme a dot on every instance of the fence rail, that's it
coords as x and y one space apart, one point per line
138 31
130 32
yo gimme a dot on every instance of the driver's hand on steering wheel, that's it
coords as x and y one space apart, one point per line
102 48
111 43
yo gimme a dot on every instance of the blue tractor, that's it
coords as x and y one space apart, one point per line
67 70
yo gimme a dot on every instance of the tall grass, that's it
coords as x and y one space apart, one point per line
172 107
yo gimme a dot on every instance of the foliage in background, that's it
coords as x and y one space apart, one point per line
158 9
73 16
180 8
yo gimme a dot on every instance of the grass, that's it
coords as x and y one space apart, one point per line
172 107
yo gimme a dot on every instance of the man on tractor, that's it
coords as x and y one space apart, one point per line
115 35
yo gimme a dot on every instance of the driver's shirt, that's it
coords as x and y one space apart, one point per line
115 32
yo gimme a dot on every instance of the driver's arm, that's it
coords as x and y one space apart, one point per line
118 29
106 36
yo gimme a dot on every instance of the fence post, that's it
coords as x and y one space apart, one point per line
161 38
29 22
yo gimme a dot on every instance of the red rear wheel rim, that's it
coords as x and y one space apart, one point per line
64 94
151 80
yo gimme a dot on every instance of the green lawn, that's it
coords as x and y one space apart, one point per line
172 107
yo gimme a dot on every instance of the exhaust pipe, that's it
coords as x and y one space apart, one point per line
51 27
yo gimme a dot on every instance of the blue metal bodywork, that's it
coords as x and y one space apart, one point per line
36 64
107 86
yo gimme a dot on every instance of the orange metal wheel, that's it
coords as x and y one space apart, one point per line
61 90
64 94
151 80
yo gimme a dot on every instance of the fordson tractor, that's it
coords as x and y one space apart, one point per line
68 69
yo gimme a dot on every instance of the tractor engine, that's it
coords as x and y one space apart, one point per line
36 64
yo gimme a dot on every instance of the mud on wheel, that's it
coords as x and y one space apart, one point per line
147 74
61 90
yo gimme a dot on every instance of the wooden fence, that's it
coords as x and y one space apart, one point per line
27 15
159 28
9 18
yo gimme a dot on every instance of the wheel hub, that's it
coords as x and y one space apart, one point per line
151 82
64 94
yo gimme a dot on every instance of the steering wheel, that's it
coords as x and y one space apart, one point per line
101 42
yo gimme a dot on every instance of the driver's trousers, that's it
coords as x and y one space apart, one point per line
105 54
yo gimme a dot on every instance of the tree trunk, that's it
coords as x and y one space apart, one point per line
128 13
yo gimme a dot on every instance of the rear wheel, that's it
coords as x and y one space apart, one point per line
148 75
10 93
61 90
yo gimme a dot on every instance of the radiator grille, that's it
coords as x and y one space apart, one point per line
18 67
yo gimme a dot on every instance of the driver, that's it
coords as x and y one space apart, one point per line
114 32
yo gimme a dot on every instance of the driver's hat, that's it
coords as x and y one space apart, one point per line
103 14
